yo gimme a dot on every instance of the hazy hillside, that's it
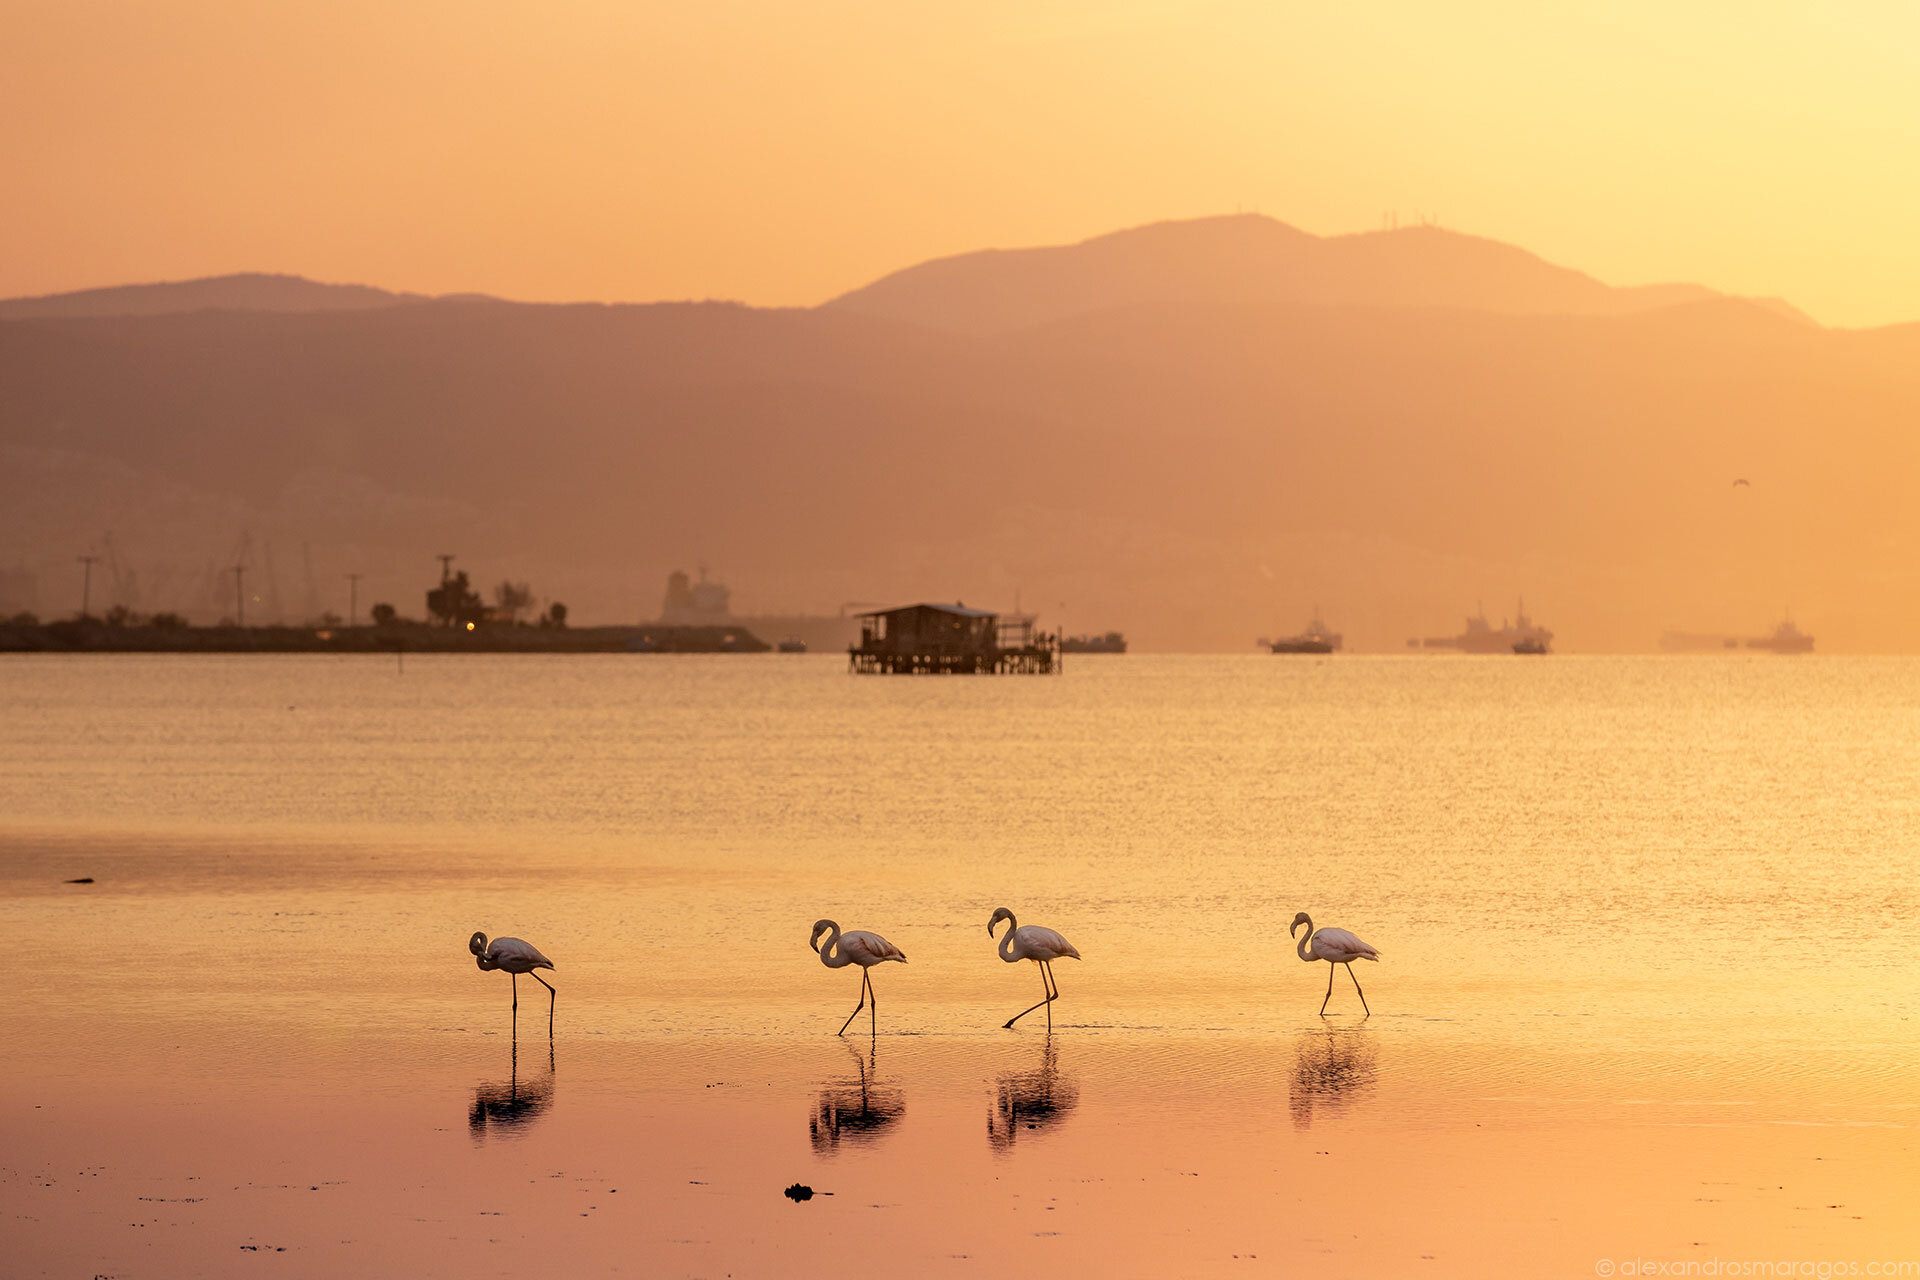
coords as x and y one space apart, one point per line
1246 258
1194 472
248 292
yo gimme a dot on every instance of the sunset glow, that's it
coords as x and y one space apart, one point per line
1317 602
781 154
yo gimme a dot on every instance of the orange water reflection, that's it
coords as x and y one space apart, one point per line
1607 1017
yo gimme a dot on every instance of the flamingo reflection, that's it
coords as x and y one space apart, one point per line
1025 1101
856 1112
502 1109
1332 1069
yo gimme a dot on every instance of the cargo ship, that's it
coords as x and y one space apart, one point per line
1786 638
1317 638
704 602
1482 636
1111 642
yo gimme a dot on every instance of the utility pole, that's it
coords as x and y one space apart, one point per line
446 567
240 593
86 582
353 599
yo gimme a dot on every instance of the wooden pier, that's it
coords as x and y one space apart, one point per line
950 639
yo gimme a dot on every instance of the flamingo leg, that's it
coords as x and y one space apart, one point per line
1329 995
1046 986
857 1008
873 1005
1356 987
550 998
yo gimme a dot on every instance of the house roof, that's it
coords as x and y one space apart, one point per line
957 609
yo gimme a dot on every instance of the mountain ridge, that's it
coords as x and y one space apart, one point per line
238 291
1249 258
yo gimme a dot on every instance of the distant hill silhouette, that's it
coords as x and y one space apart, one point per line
250 291
1195 471
1247 258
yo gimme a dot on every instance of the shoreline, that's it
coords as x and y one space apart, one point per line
95 636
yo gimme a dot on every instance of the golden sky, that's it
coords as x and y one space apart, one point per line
782 151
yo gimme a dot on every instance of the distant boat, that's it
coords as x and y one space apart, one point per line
1111 642
793 644
1317 638
1482 636
1786 638
708 603
1674 641
1530 646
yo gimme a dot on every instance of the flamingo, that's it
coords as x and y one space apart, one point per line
856 946
516 957
1335 946
1036 943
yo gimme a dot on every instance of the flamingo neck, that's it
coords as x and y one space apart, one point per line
830 953
1305 945
1006 942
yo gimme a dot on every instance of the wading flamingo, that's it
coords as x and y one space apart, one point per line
1036 943
1335 946
516 957
856 946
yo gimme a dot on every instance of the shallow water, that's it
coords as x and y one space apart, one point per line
1647 988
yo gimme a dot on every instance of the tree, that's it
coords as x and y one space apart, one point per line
511 597
556 616
454 602
166 622
383 615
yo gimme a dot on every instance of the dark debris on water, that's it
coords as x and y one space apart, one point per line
798 1191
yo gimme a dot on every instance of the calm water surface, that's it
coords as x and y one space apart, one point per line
1648 986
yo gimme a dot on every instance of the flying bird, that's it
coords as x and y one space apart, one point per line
1335 946
516 957
1738 483
856 946
1036 943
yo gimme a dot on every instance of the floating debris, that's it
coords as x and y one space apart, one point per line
798 1192
82 880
